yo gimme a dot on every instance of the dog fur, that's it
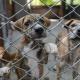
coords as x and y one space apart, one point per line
6 58
65 44
22 25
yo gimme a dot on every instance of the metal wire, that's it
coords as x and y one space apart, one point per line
50 31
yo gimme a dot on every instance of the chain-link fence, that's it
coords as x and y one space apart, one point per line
25 52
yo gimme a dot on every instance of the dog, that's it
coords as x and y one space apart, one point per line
42 51
32 47
7 60
66 41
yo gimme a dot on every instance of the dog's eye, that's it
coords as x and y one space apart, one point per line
27 23
41 20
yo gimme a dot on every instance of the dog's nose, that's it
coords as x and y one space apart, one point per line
39 30
78 30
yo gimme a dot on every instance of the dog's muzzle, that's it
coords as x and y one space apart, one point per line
39 31
37 36
78 32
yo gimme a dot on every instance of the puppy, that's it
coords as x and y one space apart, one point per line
67 40
34 27
7 58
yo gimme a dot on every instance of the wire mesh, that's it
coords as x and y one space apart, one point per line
53 31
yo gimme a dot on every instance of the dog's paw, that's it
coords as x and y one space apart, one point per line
51 48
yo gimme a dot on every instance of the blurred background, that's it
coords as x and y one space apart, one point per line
55 8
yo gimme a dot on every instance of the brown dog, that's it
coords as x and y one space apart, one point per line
68 53
34 28
11 58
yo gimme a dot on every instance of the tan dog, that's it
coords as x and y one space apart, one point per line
9 59
68 39
34 26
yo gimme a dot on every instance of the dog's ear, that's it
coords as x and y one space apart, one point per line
18 25
47 22
68 23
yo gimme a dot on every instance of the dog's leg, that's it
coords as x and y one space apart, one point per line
75 71
19 73
25 67
43 56
41 69
74 74
58 68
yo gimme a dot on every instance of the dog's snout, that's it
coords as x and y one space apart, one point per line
78 30
39 30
